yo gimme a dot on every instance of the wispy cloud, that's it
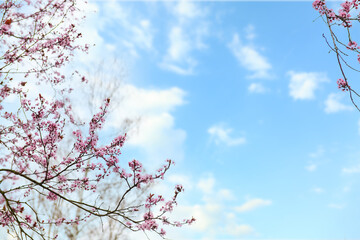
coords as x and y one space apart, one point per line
347 189
137 32
303 85
178 57
333 104
240 230
315 155
156 132
311 167
221 135
186 10
257 88
186 35
250 58
250 32
318 153
253 204
206 185
336 206
353 169
318 190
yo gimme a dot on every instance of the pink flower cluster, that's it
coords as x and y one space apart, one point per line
49 43
343 85
343 14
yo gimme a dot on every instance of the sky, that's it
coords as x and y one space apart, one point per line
243 97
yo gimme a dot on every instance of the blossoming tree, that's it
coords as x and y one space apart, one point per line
38 37
342 42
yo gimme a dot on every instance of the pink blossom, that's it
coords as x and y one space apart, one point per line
28 218
52 196
343 85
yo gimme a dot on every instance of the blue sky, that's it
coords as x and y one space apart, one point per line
243 97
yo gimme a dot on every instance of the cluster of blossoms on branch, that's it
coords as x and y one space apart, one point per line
343 46
35 33
37 37
343 85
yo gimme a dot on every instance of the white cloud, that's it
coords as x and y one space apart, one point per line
221 135
156 132
187 70
318 190
157 135
179 47
250 58
149 101
336 206
240 230
256 88
135 28
177 58
353 169
253 204
226 194
333 104
187 10
185 36
318 153
347 189
250 32
205 215
304 84
311 167
206 185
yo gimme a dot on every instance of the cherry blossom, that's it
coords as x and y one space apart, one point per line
38 37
